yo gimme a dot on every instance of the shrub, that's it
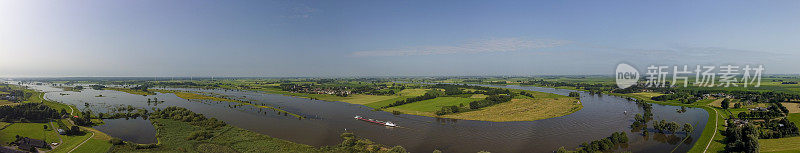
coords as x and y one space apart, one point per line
116 141
200 135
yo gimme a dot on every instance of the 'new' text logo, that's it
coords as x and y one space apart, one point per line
626 75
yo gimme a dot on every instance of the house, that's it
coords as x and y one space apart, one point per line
759 109
61 131
26 143
26 147
739 122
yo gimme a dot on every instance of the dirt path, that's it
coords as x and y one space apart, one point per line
59 135
716 119
84 141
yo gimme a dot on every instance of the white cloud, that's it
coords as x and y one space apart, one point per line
473 47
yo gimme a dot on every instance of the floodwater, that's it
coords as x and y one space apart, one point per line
601 115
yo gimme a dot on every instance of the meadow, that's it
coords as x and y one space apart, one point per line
428 107
523 109
172 136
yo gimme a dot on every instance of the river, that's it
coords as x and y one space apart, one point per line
601 115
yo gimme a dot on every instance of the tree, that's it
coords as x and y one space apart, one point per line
45 127
398 149
742 138
574 94
725 103
74 130
687 128
672 127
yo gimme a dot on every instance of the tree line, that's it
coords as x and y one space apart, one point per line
672 127
186 115
28 112
489 101
526 94
428 95
741 138
574 94
760 114
603 145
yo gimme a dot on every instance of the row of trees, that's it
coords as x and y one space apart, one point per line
603 145
489 101
28 111
351 143
759 114
98 87
428 95
142 87
526 94
640 121
672 127
186 115
586 86
455 89
574 94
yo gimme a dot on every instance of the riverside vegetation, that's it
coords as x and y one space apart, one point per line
436 100
748 119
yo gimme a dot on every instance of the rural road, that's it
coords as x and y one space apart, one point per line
716 119
84 141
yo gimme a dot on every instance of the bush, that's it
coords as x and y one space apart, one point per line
116 141
200 135
574 94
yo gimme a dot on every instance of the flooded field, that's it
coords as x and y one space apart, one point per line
600 116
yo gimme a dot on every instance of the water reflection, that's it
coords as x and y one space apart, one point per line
601 116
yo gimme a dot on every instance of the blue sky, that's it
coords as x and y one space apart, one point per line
388 38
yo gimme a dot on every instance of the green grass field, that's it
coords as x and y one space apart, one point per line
31 130
172 138
794 117
479 96
94 145
428 107
193 96
386 102
362 99
525 109
790 144
412 92
71 142
374 101
648 94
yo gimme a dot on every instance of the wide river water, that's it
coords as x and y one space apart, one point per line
601 115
